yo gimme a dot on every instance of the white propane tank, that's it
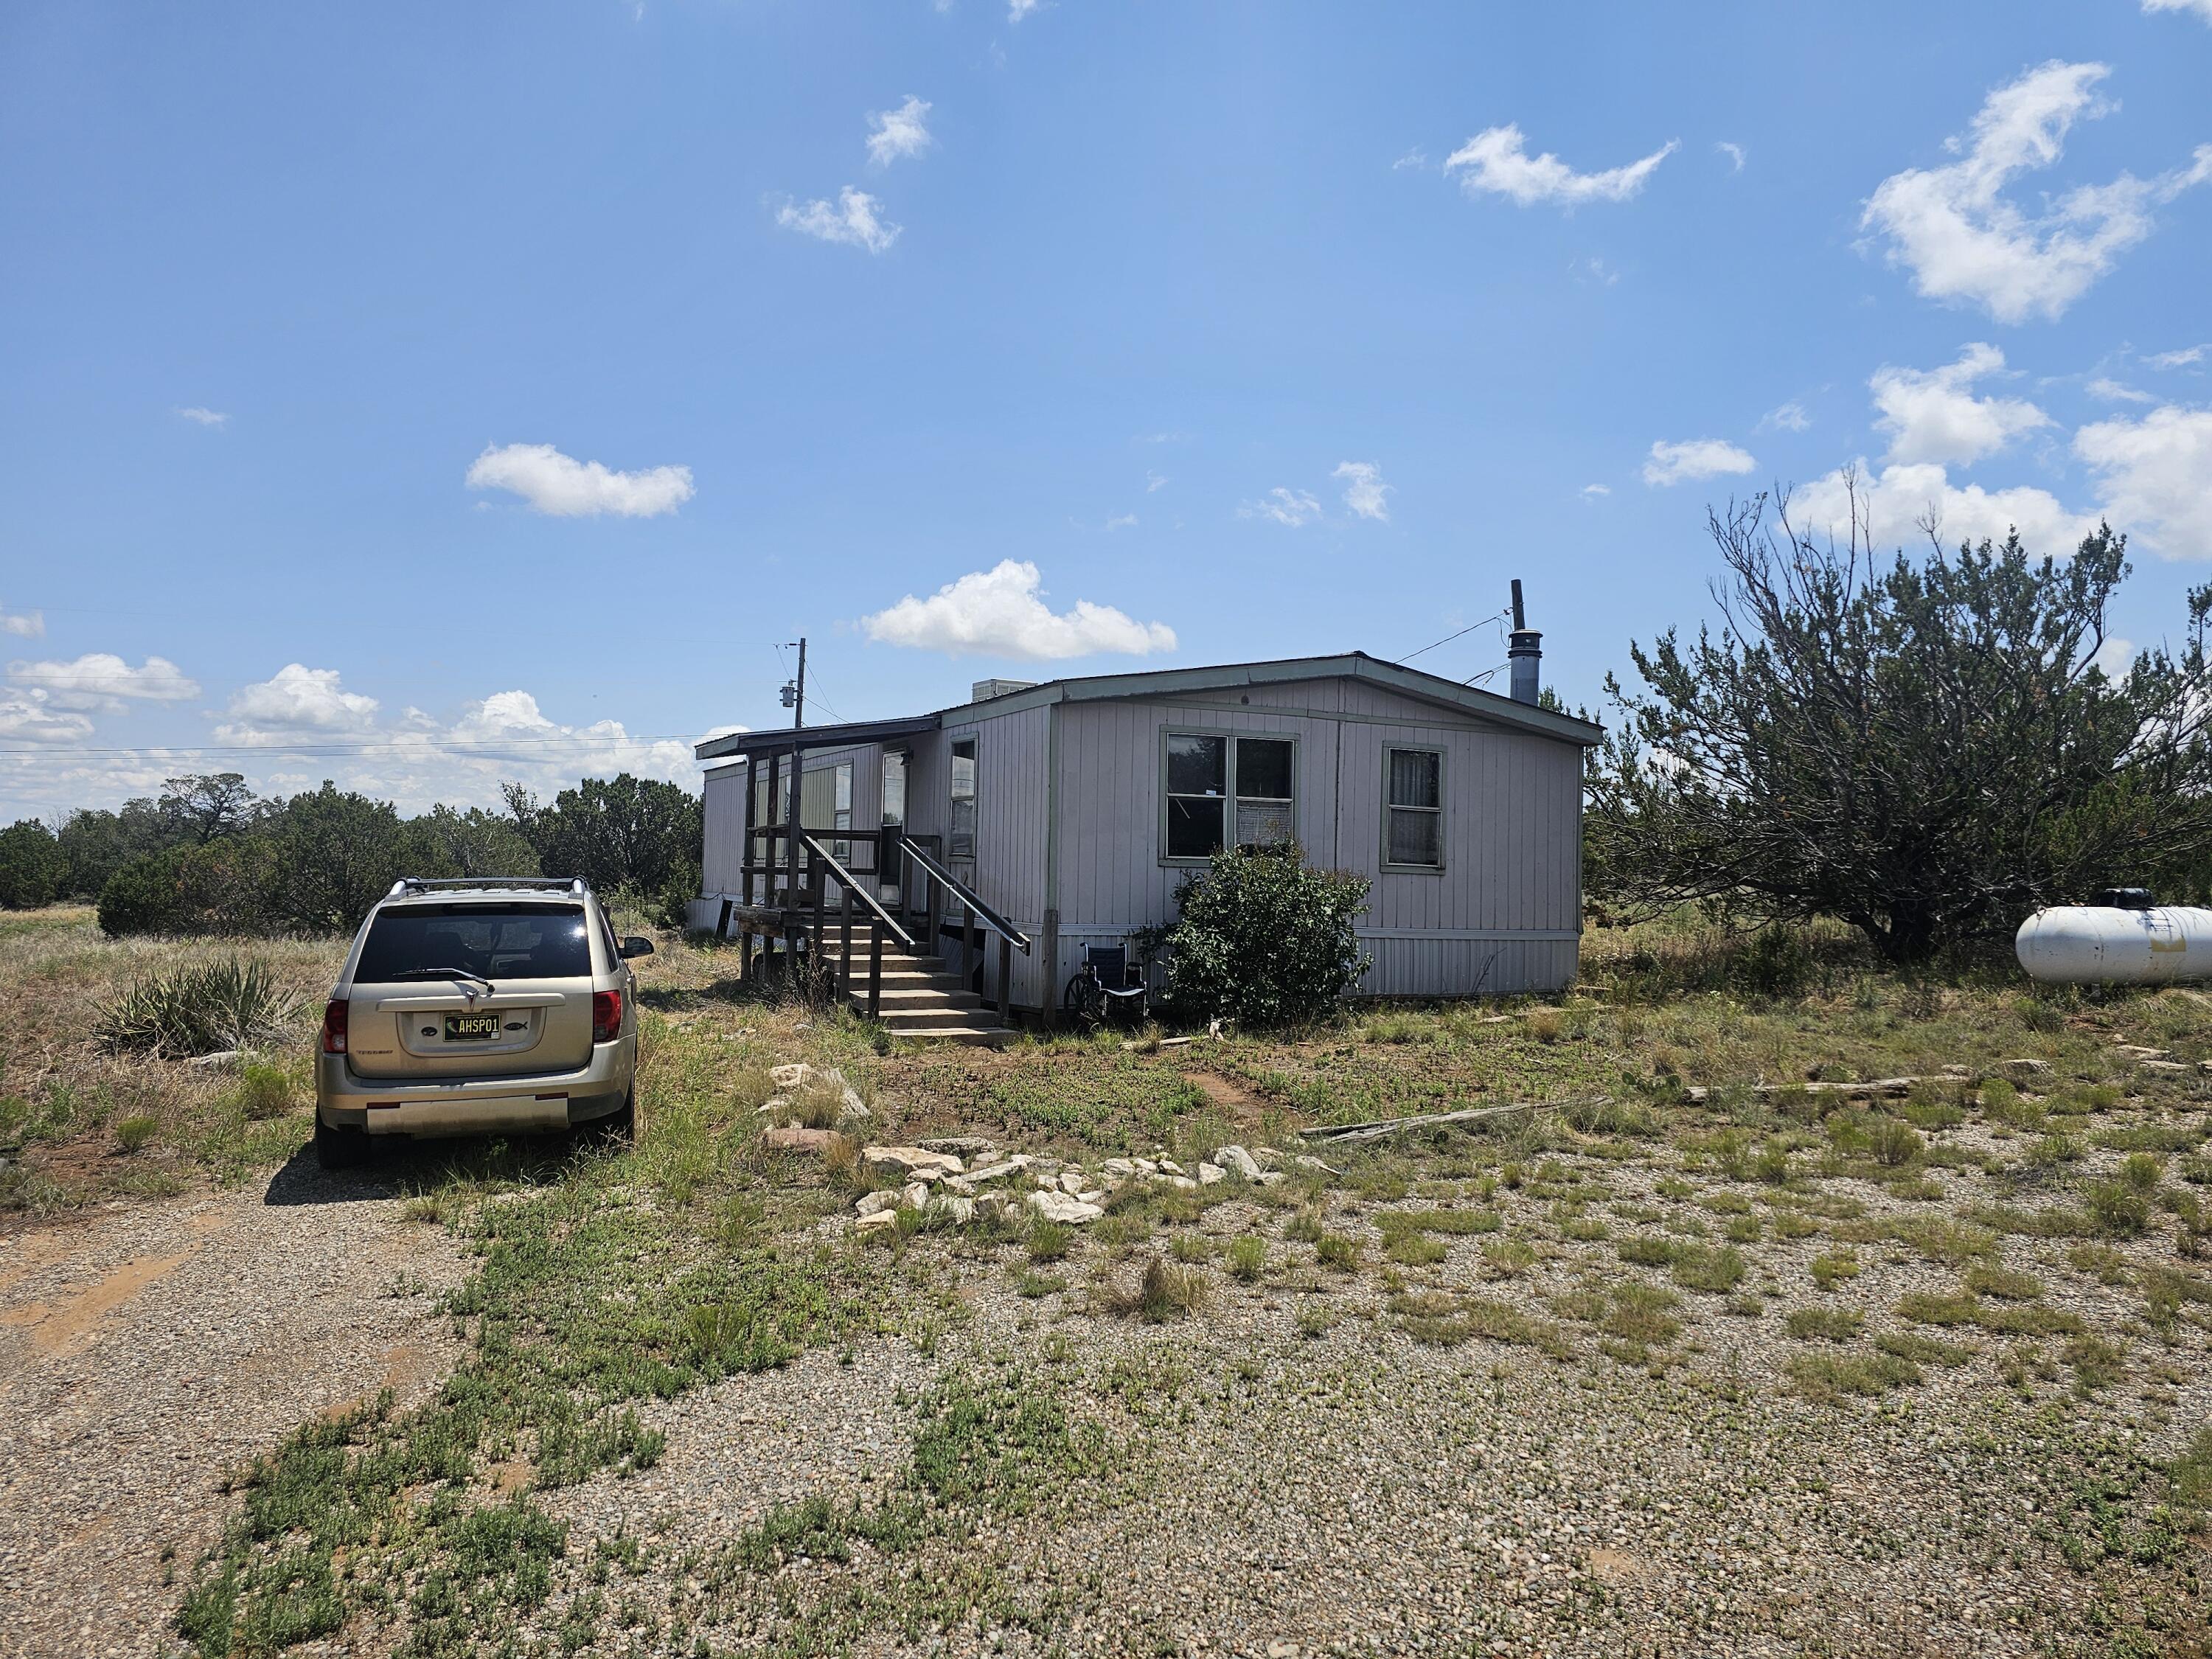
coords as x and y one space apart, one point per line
2137 944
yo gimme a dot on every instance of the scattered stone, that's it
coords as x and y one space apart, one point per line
959 1146
998 1171
1168 1166
1071 1180
961 1209
793 1076
1097 1199
1236 1158
877 1203
1064 1207
797 1140
913 1195
1180 1180
1209 1174
2164 1066
2024 1066
877 1222
227 1058
1120 1169
1304 1162
1272 1177
906 1161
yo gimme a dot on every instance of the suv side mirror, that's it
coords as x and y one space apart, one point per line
636 945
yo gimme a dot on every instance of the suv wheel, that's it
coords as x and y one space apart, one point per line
621 1127
339 1149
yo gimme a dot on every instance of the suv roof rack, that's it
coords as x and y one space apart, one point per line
574 884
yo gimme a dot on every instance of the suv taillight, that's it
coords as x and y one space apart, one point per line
334 1027
607 1016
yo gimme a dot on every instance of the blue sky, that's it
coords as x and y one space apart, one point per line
423 395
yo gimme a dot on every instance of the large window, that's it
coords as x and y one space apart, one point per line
1224 791
1413 808
961 844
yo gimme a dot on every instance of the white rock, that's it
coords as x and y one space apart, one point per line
1168 1166
876 1223
1240 1162
772 1105
906 1161
961 1209
855 1110
990 1207
964 1185
1266 1156
1272 1178
1097 1199
1304 1162
1120 1168
913 1196
1064 1207
793 1076
1071 1180
1183 1181
1001 1169
1146 1167
1208 1174
877 1203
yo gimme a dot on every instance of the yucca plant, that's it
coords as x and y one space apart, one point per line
235 1002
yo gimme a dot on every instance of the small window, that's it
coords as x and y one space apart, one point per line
1220 789
841 811
1413 808
961 844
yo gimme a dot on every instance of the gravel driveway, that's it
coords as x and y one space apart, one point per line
145 1352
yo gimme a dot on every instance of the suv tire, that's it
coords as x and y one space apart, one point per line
621 1127
339 1149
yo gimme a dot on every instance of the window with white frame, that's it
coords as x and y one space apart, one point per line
961 843
842 812
1413 808
1222 790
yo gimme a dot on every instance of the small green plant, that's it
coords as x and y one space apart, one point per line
1048 1241
1304 1228
1826 1324
1336 1250
133 1133
2097 1364
265 1091
2003 1283
1415 1249
1247 1258
1165 1291
1508 1257
1894 1143
1315 1319
1828 1378
1833 1269
1033 1285
1715 1271
235 1002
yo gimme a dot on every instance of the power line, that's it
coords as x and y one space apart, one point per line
1495 617
340 751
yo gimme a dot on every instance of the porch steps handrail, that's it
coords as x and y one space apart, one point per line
967 896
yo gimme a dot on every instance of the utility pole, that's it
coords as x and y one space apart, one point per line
794 692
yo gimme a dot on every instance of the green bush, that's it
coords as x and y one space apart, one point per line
133 1133
198 1009
1264 939
32 868
224 886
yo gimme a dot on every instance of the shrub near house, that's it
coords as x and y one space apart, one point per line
1264 938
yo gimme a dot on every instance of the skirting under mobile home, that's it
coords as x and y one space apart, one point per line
1074 809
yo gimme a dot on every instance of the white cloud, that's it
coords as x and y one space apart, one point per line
24 624
2156 477
1416 159
2115 392
199 416
1293 508
1122 521
31 717
102 681
1592 269
1017 10
1497 160
1698 457
1155 481
1591 492
293 699
899 133
2202 7
852 221
566 488
1952 227
1734 152
1789 417
1894 503
1000 612
2115 656
1364 492
2187 357
1935 416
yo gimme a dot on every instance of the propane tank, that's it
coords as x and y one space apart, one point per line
2121 940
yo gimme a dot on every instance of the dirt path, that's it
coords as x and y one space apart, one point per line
146 1351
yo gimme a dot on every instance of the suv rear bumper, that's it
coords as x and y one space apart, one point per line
476 1105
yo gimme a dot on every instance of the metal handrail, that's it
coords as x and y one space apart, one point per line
966 895
852 884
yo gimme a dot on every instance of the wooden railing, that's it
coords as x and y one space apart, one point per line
804 866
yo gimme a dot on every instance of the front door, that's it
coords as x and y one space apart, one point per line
890 820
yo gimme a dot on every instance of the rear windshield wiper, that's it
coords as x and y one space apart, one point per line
448 973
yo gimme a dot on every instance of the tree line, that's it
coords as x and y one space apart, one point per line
207 855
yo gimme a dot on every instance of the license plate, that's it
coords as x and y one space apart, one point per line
470 1028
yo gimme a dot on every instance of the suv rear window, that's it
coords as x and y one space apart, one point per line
497 941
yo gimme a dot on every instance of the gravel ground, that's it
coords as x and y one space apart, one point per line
1276 1492
146 1351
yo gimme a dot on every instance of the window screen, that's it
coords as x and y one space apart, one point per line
1413 808
1221 788
961 844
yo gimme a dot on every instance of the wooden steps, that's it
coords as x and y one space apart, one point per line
918 997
